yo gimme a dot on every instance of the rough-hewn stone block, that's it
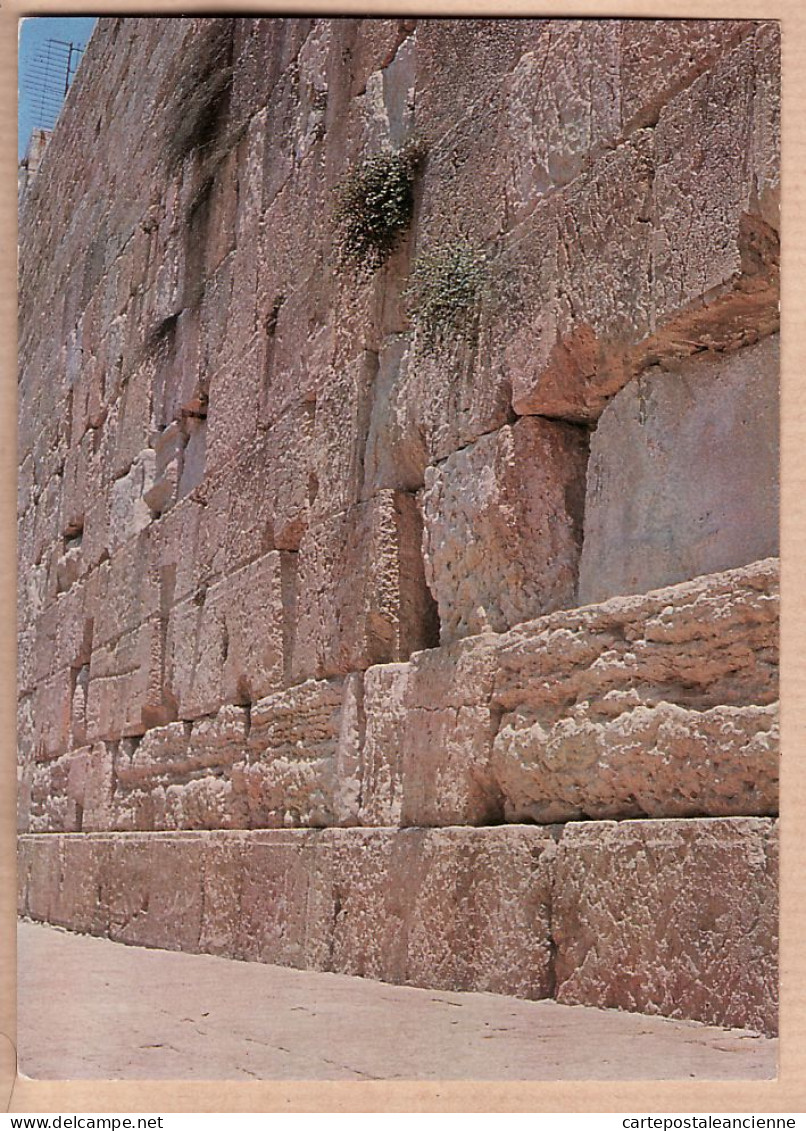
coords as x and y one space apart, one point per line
599 301
126 692
669 917
703 643
303 761
231 642
448 734
561 105
502 527
672 917
683 475
385 688
361 596
657 58
425 907
660 761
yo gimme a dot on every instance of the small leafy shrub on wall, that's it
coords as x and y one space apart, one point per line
446 288
373 208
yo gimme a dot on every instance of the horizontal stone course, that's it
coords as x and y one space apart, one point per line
601 913
662 704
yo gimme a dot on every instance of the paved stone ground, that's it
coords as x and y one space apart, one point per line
90 1008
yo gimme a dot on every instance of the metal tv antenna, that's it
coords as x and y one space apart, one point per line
47 79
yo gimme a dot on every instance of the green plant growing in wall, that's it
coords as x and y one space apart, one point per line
373 208
447 285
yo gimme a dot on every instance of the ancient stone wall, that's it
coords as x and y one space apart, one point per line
289 562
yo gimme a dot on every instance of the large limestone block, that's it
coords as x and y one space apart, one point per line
663 246
683 475
340 427
459 908
710 162
179 776
385 711
502 527
561 106
447 736
767 120
704 643
126 692
64 630
230 643
82 480
175 566
483 52
232 419
255 893
661 761
303 765
52 704
127 593
678 918
361 594
429 403
577 315
152 890
129 513
660 57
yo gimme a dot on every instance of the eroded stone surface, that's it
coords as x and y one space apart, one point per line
672 917
661 761
502 527
227 447
361 596
683 474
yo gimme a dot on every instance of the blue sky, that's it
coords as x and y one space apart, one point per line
34 31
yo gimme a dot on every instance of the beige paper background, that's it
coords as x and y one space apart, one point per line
788 1092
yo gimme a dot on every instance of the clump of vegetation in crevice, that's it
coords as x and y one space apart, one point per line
373 207
445 293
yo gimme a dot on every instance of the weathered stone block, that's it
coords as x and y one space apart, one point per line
128 590
232 421
129 513
672 917
502 527
703 183
361 596
52 706
385 688
126 692
767 120
175 565
231 642
303 765
341 423
274 895
702 644
580 329
660 761
64 631
561 106
448 733
152 891
683 475
292 485
426 907
658 58
427 405
98 789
